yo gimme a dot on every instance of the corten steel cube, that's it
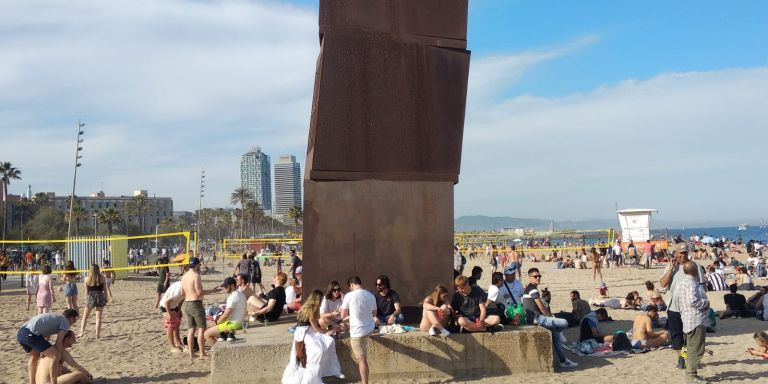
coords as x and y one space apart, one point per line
385 143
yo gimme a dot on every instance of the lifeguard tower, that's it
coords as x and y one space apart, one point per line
636 227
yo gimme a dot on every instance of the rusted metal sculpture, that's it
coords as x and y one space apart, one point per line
385 143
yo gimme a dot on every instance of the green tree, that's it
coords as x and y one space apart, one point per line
48 223
253 213
109 216
7 173
139 207
40 199
241 196
79 214
296 213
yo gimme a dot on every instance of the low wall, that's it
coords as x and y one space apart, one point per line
260 356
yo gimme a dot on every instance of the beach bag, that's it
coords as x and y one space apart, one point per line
513 310
621 342
712 318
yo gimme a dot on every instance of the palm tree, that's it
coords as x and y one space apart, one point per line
109 216
296 213
139 207
79 214
7 173
40 199
241 196
253 212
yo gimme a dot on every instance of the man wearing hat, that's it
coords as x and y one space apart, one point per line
674 275
194 312
234 314
511 290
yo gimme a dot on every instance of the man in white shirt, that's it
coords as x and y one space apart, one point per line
232 318
359 307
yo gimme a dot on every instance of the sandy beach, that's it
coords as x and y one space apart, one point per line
133 349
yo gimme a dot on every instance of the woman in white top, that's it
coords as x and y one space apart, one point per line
330 308
292 296
320 349
31 280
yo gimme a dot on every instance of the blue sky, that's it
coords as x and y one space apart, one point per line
572 106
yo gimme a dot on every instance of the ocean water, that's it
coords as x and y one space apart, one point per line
751 233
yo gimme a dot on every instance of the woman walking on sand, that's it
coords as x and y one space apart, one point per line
94 288
45 295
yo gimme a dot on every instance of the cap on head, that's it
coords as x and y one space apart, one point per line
602 285
228 281
511 270
193 262
299 270
682 248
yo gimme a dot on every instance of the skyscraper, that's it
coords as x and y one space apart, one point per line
255 176
287 185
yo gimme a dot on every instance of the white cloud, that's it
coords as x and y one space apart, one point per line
164 87
689 143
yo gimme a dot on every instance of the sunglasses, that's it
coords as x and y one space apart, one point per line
379 285
536 276
336 290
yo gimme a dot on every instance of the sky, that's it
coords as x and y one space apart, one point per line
573 108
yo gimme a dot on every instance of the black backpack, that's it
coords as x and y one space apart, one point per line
463 260
621 342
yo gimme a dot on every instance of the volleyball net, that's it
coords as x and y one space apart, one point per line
118 254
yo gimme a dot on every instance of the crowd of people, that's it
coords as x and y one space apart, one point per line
324 316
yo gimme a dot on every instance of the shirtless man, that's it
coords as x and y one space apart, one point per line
194 312
49 368
643 335
517 262
244 286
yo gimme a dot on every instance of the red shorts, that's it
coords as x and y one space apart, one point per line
173 322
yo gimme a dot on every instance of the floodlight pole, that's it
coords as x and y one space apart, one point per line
200 212
78 148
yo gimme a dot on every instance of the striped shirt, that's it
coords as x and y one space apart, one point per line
692 302
717 282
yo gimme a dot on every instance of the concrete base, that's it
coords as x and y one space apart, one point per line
260 356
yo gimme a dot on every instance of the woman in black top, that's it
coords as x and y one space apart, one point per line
94 288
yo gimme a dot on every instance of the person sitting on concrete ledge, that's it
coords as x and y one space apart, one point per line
471 313
436 313
330 307
477 274
388 310
232 318
591 330
271 308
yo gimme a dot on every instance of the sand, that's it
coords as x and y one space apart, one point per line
133 349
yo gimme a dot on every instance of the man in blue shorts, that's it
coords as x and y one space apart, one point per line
33 337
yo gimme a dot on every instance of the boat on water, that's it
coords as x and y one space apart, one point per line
743 227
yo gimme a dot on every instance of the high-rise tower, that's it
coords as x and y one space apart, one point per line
255 176
287 185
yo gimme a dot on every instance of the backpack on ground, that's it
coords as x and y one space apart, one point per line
621 342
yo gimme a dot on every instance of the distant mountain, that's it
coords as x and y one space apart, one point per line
486 223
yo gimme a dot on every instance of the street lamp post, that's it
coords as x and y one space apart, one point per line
78 148
200 212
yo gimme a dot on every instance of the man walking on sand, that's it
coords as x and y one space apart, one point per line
194 312
694 309
359 306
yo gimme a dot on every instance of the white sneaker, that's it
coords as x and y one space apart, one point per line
432 331
221 339
445 332
341 376
568 364
231 339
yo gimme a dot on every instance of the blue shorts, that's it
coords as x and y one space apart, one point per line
30 341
